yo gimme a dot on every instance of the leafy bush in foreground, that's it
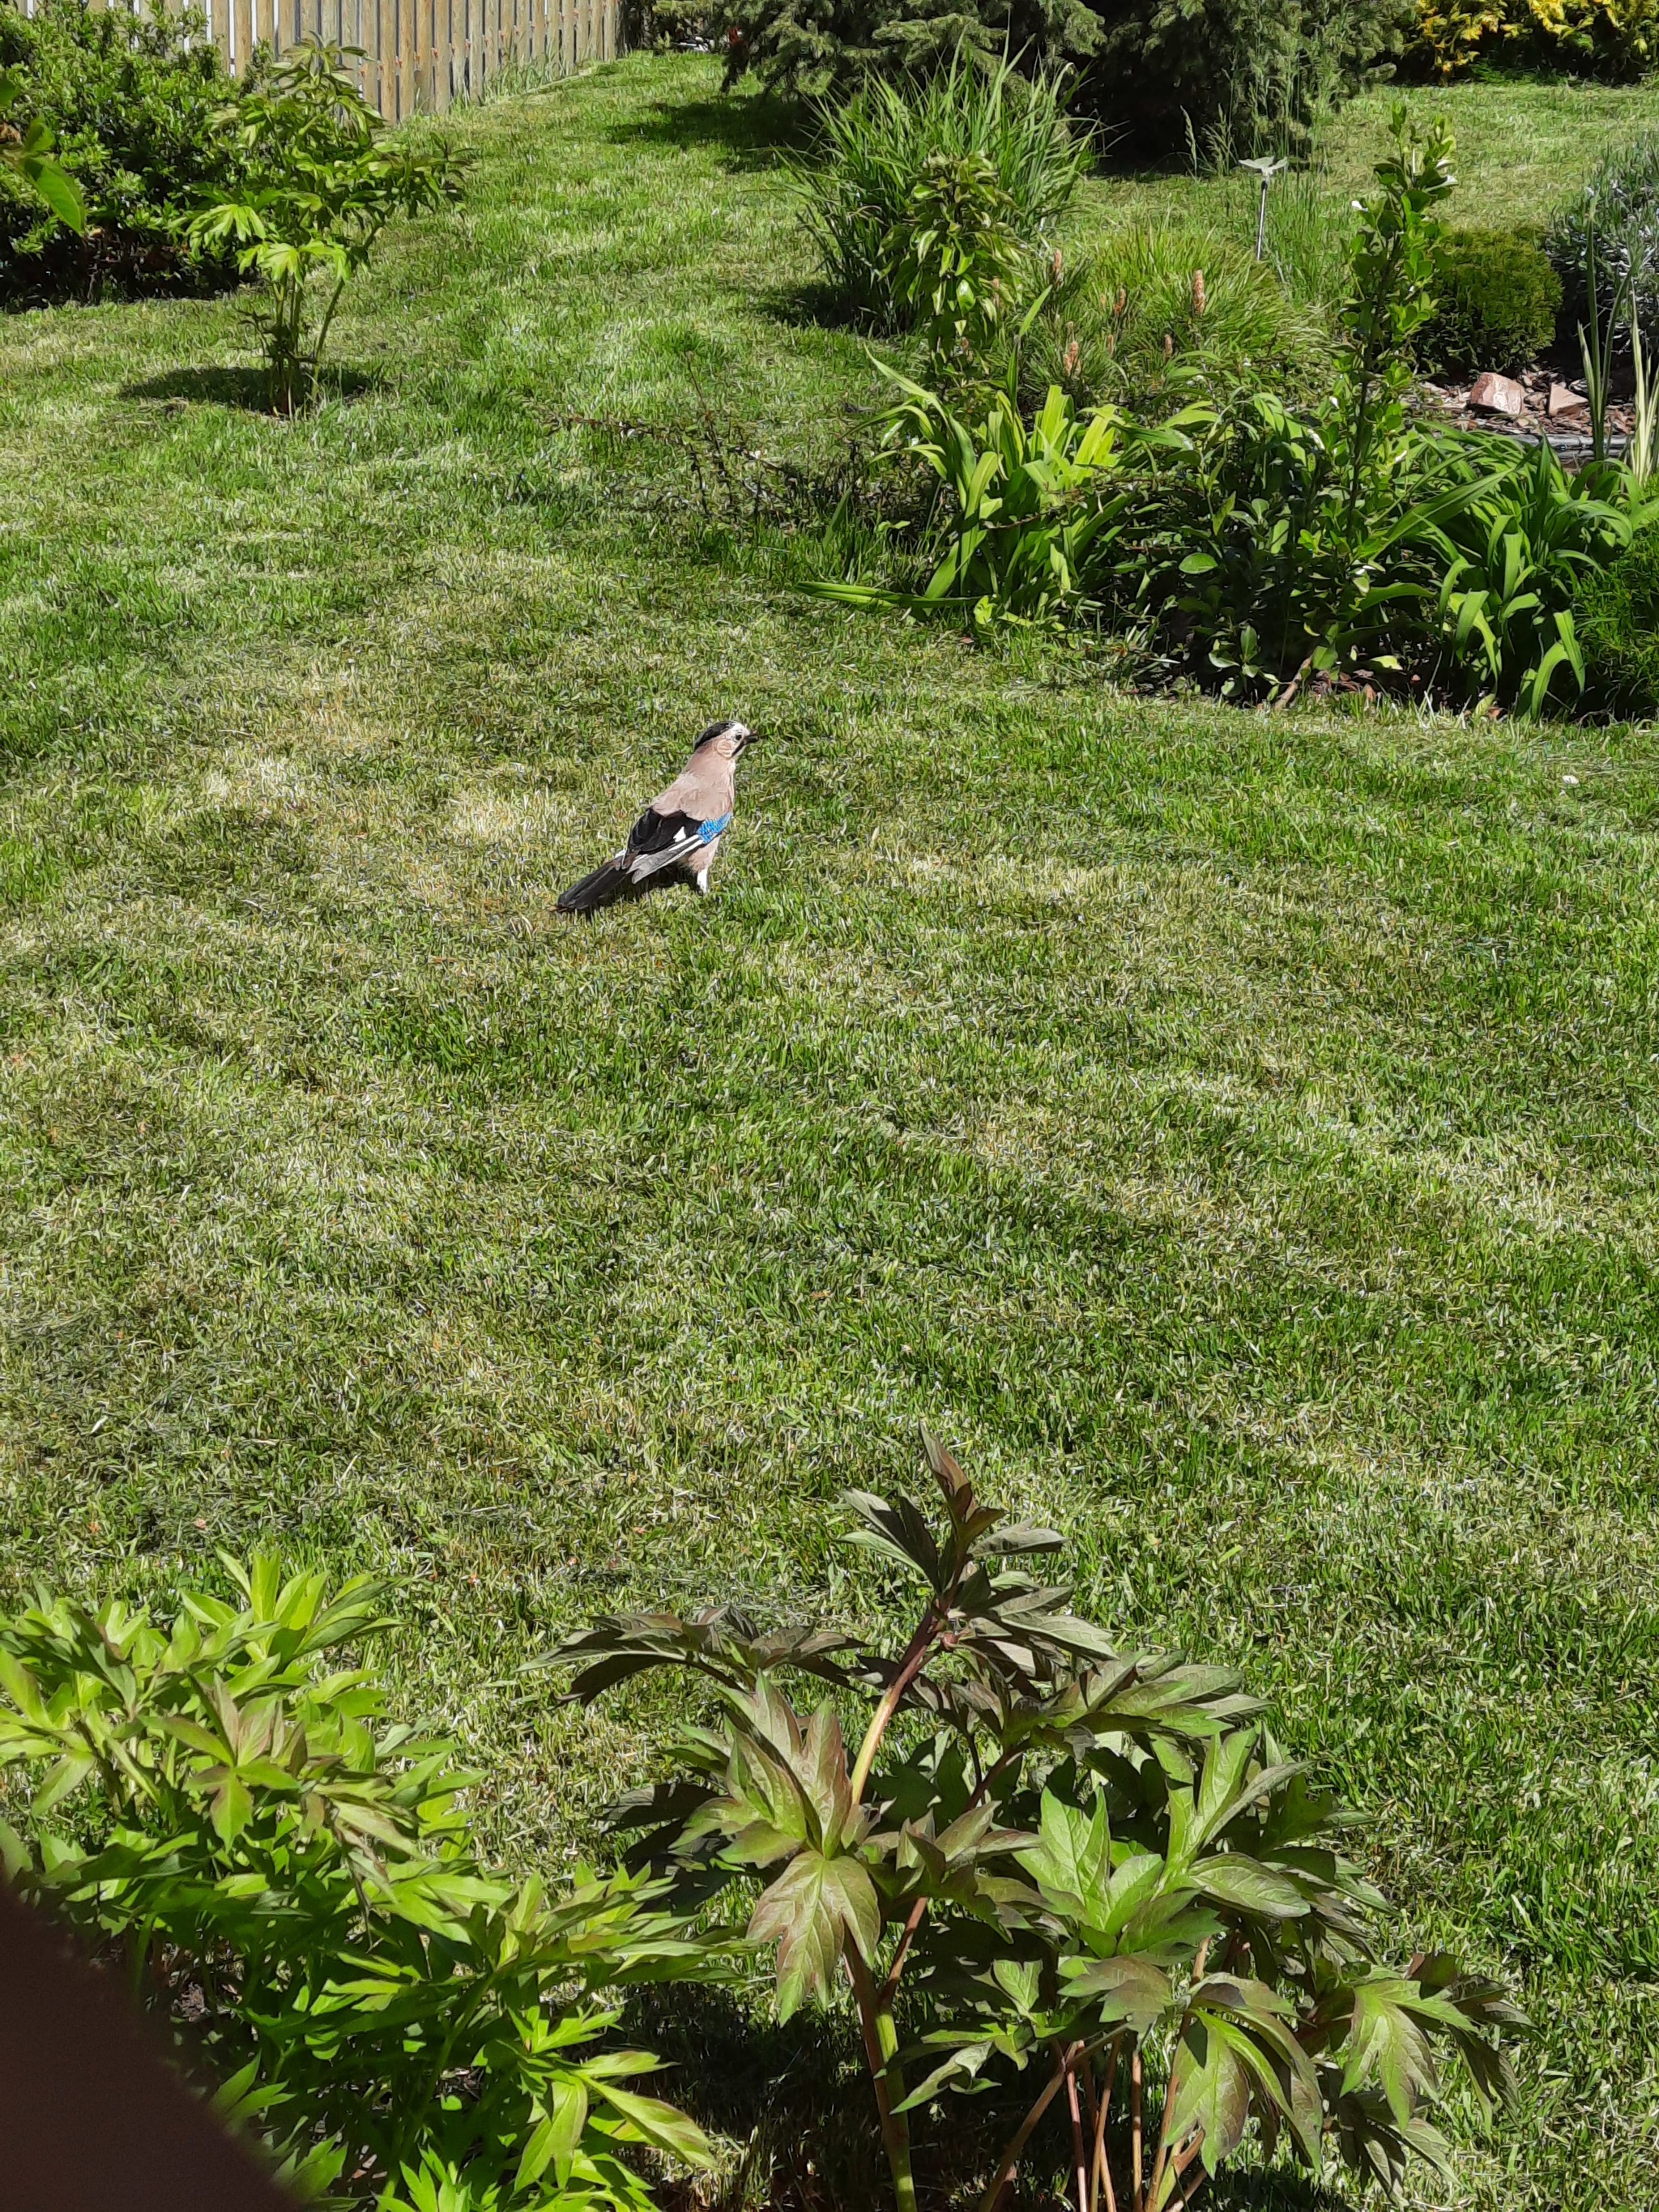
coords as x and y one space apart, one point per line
1497 296
873 193
1050 1859
130 99
220 1806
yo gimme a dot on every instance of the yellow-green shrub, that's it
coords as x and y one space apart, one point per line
1597 37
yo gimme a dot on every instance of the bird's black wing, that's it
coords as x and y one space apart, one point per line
662 833
658 841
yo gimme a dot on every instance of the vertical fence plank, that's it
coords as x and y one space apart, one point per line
405 59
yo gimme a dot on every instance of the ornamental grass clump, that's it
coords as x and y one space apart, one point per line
1157 307
974 165
1026 1856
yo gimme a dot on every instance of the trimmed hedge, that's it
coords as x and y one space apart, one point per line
130 99
1497 297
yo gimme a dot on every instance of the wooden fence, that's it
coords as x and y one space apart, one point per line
423 54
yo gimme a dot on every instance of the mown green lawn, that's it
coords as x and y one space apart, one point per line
1235 1135
1523 147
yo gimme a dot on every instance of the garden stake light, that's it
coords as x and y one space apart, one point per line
1267 170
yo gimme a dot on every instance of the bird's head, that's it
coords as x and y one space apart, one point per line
728 739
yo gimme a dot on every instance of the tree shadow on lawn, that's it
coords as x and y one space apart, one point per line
750 132
797 2099
248 389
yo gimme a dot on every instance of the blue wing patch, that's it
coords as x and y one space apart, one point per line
708 831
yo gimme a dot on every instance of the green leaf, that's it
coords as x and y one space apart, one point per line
1128 1988
537 2156
661 2125
1387 2046
814 1905
1212 2091
63 1779
1232 1879
1072 1860
569 2118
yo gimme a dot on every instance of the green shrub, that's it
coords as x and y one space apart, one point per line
1618 619
1497 296
1615 218
130 99
866 199
1039 1861
1610 38
324 178
28 156
829 46
1233 74
1032 510
220 1808
1155 70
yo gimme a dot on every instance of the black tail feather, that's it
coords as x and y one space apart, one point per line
607 884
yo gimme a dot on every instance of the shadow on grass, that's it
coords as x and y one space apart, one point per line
246 388
812 302
749 132
796 2102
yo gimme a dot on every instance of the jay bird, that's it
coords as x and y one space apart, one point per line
679 833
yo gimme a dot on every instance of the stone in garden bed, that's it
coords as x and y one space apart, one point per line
1499 395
